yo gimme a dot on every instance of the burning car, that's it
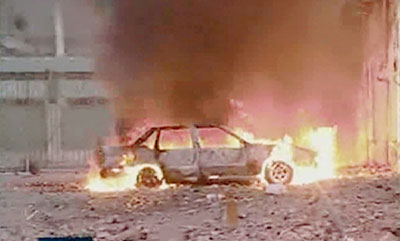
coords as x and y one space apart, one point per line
200 154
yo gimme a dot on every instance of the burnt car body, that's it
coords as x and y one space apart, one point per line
199 159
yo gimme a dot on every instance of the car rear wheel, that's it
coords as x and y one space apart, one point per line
279 172
147 177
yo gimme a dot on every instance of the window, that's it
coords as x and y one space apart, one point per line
175 139
151 140
215 137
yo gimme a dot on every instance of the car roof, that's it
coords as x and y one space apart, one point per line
198 126
176 127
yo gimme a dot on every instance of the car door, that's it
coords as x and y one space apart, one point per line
176 154
220 153
145 146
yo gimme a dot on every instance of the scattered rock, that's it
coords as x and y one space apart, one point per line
325 214
214 232
189 227
396 232
260 216
388 236
213 197
276 189
5 235
103 234
34 168
191 212
347 238
203 238
113 219
131 234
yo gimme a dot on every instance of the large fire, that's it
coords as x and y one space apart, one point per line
321 140
125 180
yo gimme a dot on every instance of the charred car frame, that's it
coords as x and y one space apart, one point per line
199 160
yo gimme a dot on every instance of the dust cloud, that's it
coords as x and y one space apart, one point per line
288 63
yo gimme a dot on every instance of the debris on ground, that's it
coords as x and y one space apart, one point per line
276 189
356 209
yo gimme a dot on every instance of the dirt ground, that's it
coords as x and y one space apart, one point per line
54 204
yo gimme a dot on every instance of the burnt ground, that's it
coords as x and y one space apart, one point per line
53 204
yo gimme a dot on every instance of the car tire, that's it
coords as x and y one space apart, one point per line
279 172
147 178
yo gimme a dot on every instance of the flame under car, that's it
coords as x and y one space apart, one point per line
199 154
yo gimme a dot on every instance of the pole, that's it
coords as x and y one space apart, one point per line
58 29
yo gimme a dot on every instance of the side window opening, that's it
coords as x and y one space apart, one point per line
150 141
217 138
175 139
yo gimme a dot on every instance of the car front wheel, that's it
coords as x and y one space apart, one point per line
147 177
279 172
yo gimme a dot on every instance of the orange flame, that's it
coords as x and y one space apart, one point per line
321 140
125 180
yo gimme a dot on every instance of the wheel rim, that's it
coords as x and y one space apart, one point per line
147 177
279 172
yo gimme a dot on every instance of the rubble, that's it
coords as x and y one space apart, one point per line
389 237
131 234
349 209
276 189
212 197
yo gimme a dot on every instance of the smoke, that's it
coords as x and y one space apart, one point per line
290 62
176 60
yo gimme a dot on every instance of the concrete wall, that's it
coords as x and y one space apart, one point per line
51 112
82 125
381 85
22 127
